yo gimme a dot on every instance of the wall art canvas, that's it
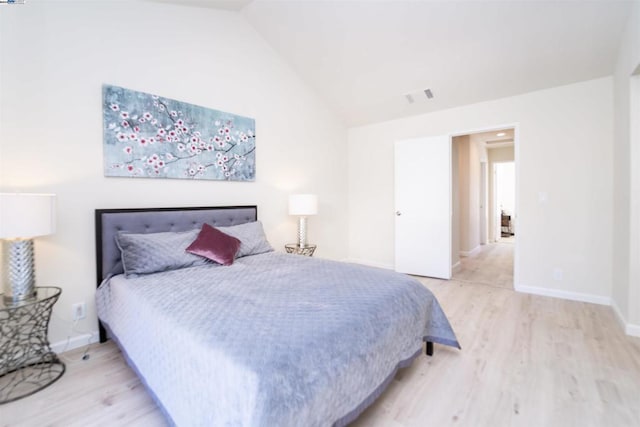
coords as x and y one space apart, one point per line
154 137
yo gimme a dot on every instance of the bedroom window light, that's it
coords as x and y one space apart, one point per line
22 217
303 205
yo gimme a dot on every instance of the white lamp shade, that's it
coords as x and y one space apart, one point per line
27 215
303 204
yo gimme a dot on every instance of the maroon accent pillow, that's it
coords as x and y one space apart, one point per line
213 244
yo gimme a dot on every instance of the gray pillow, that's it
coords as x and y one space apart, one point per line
155 252
251 236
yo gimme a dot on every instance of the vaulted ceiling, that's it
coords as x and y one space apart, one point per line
364 57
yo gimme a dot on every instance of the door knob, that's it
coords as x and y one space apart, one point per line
398 213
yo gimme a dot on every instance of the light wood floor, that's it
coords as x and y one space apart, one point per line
526 361
492 265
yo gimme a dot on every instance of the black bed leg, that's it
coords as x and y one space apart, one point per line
103 332
429 349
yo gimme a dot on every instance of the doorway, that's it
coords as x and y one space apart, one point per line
443 199
504 180
484 207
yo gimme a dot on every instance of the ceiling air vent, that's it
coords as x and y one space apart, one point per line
419 96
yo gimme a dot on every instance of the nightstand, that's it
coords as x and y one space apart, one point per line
294 248
27 363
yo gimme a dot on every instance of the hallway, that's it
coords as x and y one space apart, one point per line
492 265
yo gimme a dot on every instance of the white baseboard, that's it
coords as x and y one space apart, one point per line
555 293
370 263
471 252
629 328
75 342
632 330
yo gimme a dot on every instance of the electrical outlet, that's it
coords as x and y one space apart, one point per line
79 311
558 274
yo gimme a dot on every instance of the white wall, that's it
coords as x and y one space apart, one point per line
557 127
626 230
56 56
469 195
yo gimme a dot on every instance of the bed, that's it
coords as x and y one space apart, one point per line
272 339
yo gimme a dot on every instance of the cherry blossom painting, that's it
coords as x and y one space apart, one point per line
148 136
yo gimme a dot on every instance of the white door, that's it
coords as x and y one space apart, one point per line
423 206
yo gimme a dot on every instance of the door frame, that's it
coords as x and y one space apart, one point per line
484 200
516 161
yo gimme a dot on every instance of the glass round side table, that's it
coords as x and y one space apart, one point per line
27 363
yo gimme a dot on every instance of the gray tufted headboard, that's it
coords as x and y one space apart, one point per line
155 220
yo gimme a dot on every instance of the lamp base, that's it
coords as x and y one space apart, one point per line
18 272
302 231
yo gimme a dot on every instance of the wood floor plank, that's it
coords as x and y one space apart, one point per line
525 361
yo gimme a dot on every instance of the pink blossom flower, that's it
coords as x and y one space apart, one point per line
154 121
130 168
114 107
142 120
133 136
124 124
221 131
192 171
225 158
209 147
152 140
121 136
160 163
172 133
173 113
124 115
227 138
161 131
227 174
143 141
128 150
147 115
185 129
194 139
180 122
180 147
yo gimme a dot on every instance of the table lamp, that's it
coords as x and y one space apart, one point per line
22 217
303 205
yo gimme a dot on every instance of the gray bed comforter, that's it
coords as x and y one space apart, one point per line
273 340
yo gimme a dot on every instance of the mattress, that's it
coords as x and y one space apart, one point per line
273 340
